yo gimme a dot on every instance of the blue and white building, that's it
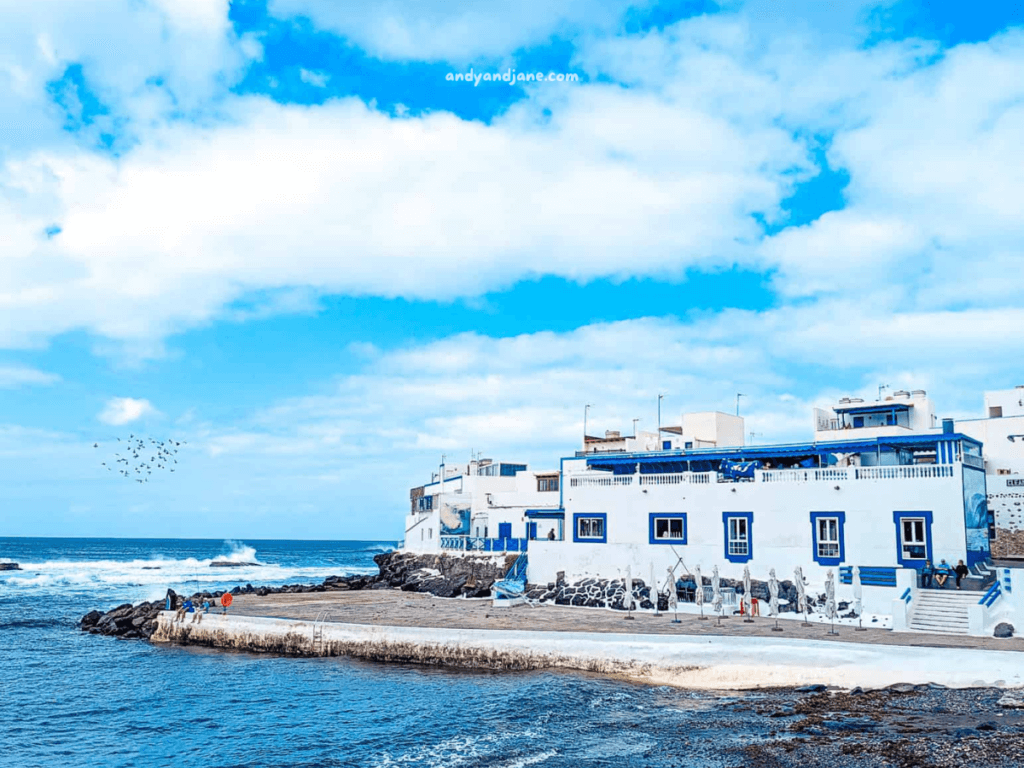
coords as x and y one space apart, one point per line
883 485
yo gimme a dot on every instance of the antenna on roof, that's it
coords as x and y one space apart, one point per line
880 388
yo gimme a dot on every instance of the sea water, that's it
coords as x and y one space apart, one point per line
68 698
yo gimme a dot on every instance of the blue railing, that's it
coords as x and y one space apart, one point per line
518 570
869 576
991 596
907 595
480 544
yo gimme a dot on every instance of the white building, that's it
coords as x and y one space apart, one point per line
881 503
1001 430
482 506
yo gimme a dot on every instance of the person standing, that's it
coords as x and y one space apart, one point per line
961 572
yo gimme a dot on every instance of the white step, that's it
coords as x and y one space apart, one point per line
942 612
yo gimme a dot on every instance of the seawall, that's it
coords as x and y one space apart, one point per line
709 663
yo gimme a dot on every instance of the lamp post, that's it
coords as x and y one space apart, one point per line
738 396
636 420
586 410
659 422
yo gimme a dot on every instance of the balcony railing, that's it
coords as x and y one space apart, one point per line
481 544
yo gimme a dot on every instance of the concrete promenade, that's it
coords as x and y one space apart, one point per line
411 609
408 628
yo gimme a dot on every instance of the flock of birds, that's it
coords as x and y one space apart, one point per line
137 457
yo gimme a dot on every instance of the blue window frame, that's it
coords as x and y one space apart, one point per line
590 528
829 537
913 538
667 528
666 445
739 543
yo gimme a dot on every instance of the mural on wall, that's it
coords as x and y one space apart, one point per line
454 521
976 515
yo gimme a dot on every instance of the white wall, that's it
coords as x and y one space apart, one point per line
781 533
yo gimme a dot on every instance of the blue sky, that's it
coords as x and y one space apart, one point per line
275 229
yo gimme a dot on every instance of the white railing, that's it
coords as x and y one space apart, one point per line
676 478
803 475
903 473
603 481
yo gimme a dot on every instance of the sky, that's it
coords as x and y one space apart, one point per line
282 233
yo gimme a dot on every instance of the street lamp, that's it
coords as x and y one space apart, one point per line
738 396
586 410
659 422
634 427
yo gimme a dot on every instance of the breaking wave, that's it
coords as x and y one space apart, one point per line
149 578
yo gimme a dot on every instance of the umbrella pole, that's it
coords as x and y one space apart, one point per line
776 628
860 627
832 631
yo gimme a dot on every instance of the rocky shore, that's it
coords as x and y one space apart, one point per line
9 567
909 726
437 575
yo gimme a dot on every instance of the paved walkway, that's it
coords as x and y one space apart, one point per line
410 609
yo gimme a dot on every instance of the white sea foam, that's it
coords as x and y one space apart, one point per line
149 578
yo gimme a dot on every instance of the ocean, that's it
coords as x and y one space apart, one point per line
68 698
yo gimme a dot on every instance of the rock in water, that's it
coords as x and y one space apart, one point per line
233 564
1003 629
9 567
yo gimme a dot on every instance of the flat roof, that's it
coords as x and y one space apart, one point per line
873 407
909 442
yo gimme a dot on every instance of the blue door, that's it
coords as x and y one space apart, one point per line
504 530
531 532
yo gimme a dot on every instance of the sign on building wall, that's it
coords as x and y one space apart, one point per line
976 515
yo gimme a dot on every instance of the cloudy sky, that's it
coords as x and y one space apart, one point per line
278 231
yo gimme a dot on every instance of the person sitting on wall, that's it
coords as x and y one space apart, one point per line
942 573
961 572
926 574
551 535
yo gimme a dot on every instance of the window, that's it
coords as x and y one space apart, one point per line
590 527
546 484
995 412
913 538
827 531
828 537
738 546
426 503
666 445
688 446
668 528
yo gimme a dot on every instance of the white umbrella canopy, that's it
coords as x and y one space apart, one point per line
746 591
830 595
654 590
670 590
773 593
716 590
698 594
627 595
858 590
801 592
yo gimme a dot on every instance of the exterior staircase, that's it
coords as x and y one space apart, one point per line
942 611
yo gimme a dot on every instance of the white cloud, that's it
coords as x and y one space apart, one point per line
14 376
340 198
316 79
125 410
457 32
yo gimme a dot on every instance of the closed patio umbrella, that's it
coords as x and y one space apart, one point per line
716 590
773 593
746 594
698 593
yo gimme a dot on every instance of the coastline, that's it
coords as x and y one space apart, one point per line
684 661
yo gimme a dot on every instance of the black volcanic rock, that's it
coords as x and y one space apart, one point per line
9 567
